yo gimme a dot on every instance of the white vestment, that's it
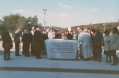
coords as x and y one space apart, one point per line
86 45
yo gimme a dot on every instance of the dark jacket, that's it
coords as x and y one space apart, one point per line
7 42
44 36
17 37
97 40
27 37
70 37
58 36
38 40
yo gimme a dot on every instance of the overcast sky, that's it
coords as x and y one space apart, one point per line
64 13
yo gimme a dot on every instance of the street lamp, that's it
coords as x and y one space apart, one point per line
104 26
44 16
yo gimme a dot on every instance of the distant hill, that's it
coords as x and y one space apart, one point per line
108 26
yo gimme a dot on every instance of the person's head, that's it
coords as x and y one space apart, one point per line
51 30
97 29
74 31
19 29
67 32
37 28
33 28
78 28
86 30
114 30
81 30
89 30
106 32
55 31
71 32
63 34
92 31
43 31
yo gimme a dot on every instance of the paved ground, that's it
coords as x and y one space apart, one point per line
45 64
30 67
28 74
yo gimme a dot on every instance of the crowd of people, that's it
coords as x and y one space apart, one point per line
90 42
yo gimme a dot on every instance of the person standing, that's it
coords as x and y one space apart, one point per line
105 43
67 34
92 37
89 30
63 36
113 40
37 42
27 37
70 35
97 47
75 35
7 43
44 36
57 35
51 34
80 32
86 45
17 40
32 43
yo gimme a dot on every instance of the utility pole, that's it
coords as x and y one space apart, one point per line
44 17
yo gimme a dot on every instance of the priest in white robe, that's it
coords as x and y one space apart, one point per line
86 45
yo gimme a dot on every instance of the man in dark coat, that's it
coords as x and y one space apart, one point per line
7 44
17 41
97 47
67 34
27 37
37 41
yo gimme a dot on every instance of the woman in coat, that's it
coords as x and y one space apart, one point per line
51 34
105 43
113 39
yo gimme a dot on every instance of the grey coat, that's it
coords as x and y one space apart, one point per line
106 40
17 37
